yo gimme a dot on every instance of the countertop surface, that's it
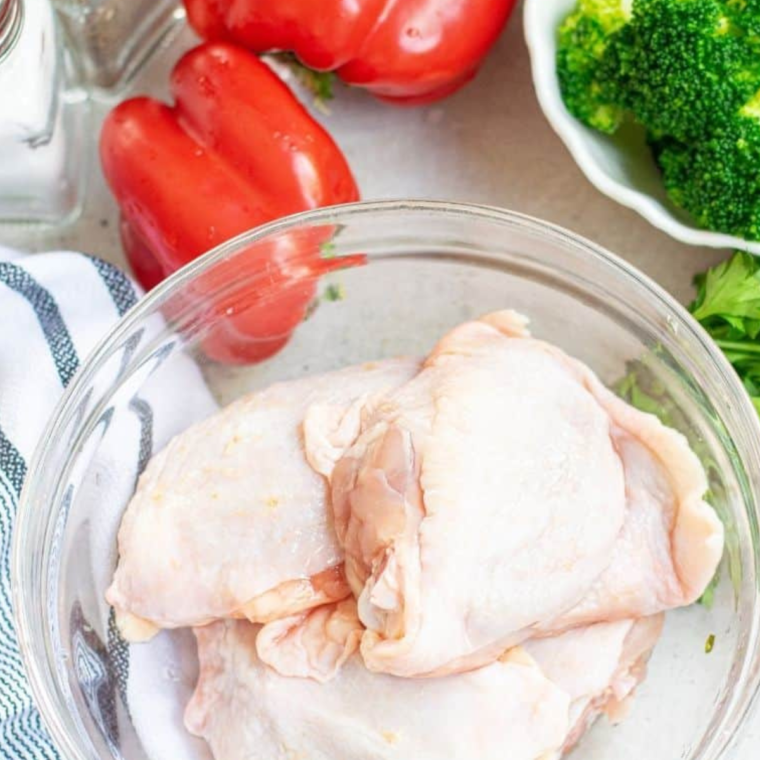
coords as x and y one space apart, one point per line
487 144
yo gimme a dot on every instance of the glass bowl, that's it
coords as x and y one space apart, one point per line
426 267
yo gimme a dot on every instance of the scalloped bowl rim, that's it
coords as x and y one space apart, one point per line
541 47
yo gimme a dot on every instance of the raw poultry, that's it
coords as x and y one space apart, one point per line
503 492
229 520
465 556
244 709
531 703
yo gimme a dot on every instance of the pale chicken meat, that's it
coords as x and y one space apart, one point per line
507 710
599 667
230 520
501 493
671 541
464 557
313 644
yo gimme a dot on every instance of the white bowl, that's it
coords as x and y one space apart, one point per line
620 166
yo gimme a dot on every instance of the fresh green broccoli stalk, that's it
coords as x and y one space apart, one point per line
583 38
680 67
717 180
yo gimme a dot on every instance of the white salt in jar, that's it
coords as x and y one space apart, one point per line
42 118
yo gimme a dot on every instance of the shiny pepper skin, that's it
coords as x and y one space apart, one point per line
405 51
235 150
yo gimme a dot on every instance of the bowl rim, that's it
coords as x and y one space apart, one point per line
38 667
571 132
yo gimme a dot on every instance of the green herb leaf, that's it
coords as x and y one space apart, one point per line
730 292
334 292
710 643
728 307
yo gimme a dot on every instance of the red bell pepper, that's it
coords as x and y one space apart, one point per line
410 51
234 151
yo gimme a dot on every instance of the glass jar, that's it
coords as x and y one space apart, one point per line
42 118
112 38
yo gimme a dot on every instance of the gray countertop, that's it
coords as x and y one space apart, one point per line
488 143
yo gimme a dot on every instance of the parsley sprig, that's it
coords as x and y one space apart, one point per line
728 307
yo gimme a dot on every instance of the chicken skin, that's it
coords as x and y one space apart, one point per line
464 557
535 701
230 520
598 666
503 493
507 710
313 644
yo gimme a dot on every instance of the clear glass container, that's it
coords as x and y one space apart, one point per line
428 267
113 38
43 117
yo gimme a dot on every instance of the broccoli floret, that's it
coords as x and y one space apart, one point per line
583 38
745 16
681 67
717 180
688 71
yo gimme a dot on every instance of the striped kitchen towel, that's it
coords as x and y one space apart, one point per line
54 307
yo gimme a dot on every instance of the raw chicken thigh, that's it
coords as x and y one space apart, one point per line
671 542
598 666
467 557
504 492
506 711
313 644
229 520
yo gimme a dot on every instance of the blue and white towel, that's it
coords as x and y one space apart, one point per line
54 308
